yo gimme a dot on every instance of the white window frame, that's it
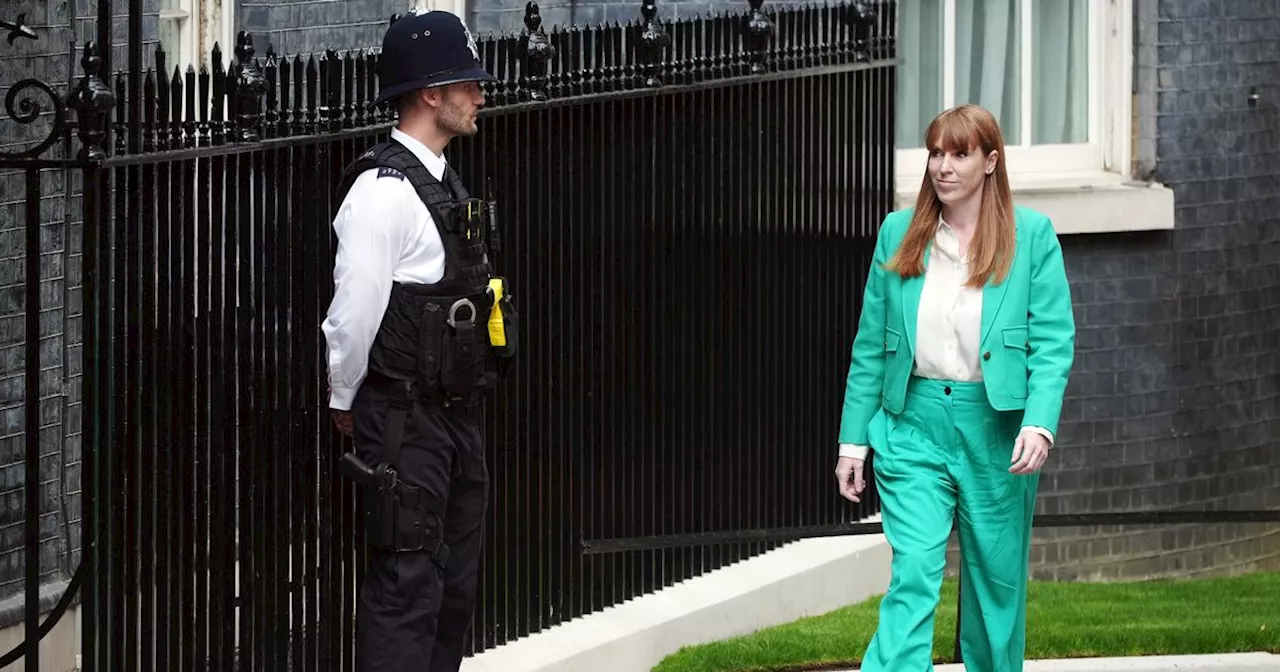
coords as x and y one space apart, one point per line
456 7
202 23
1105 158
186 21
220 27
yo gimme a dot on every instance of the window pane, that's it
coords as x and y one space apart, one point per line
170 34
1060 88
988 60
919 70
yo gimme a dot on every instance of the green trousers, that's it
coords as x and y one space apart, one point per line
947 455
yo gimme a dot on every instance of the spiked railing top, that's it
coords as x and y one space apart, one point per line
277 96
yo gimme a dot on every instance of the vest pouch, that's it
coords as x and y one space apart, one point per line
473 214
460 348
448 217
430 355
510 328
413 522
472 224
381 509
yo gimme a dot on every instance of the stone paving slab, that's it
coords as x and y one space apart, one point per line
1234 662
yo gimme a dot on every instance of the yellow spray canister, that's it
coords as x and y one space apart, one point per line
497 327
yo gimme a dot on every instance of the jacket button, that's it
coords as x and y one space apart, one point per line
986 355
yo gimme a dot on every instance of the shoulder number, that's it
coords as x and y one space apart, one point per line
386 171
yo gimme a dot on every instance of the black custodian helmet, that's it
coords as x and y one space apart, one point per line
422 50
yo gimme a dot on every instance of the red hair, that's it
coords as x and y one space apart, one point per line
962 129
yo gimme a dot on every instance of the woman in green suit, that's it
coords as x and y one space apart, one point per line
956 382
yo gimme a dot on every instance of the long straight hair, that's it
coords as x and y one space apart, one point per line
962 129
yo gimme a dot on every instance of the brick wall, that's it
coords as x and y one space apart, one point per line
49 59
1175 396
311 26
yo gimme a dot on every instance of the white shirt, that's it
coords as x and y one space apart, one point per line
948 324
385 235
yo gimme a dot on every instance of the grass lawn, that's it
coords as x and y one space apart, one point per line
1218 615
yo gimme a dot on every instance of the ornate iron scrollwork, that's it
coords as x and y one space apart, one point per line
18 29
22 103
23 107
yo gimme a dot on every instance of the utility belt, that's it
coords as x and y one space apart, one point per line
454 402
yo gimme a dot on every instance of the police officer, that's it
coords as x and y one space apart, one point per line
414 340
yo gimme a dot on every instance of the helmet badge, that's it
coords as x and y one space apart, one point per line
471 42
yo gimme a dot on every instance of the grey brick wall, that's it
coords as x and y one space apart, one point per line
311 26
59 26
1175 398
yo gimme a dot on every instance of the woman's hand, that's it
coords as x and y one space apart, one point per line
849 477
1030 451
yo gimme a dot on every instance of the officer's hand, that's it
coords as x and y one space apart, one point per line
342 420
849 478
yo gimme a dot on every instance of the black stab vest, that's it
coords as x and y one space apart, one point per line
415 341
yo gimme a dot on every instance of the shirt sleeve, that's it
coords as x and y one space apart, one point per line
854 450
1041 431
371 227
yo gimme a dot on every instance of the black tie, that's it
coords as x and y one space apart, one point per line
454 182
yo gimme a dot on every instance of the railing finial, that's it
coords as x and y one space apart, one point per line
863 17
653 41
536 50
92 100
250 87
759 29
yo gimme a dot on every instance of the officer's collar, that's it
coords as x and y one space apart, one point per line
435 164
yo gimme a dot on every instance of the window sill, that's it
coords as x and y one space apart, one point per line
1092 202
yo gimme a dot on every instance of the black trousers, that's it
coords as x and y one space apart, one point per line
410 610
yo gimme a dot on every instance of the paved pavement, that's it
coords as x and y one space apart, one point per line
1235 662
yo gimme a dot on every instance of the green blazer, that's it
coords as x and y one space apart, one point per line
1027 339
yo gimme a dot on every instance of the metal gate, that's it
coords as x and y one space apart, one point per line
35 106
